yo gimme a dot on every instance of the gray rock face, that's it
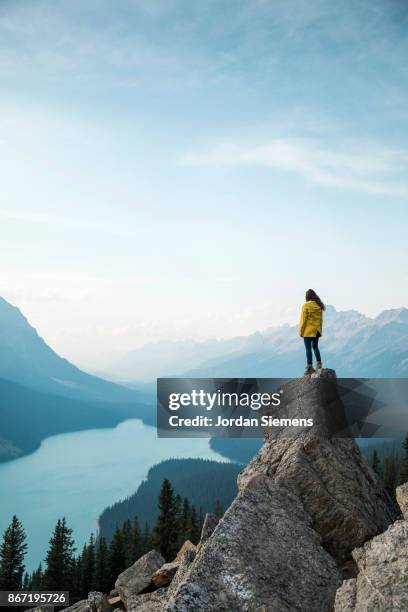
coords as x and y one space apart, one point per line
402 499
165 574
382 582
341 494
98 602
137 577
148 602
45 608
186 546
183 569
263 555
346 596
80 606
210 522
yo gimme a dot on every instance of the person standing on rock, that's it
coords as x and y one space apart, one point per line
311 328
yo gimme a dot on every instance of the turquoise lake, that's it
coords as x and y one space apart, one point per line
77 475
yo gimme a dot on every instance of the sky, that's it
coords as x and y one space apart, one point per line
174 169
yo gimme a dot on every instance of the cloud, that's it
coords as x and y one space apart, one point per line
367 167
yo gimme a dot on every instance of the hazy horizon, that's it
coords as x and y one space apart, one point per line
187 170
106 360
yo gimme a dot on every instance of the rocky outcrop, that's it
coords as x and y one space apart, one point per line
339 491
98 602
183 569
309 513
186 546
210 522
148 602
381 584
138 576
402 499
165 574
264 554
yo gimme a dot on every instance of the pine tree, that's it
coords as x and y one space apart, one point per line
88 567
390 476
36 579
127 536
116 556
102 581
185 522
12 553
147 543
136 540
403 471
60 561
166 528
77 577
195 526
218 511
375 462
26 581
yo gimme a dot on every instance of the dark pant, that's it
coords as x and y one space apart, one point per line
309 344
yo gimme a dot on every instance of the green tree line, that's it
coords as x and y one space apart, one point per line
392 471
99 563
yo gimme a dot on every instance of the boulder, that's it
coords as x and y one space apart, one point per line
264 555
165 574
183 569
210 522
44 608
79 606
98 602
402 499
382 582
186 546
114 601
148 602
342 495
346 596
138 576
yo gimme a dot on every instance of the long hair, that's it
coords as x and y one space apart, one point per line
312 295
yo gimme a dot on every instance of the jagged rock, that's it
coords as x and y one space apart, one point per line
137 577
148 602
346 596
80 606
210 522
263 555
113 601
186 546
181 573
165 574
98 602
341 494
402 499
382 582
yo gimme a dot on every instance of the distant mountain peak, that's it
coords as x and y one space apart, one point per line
26 358
396 315
11 315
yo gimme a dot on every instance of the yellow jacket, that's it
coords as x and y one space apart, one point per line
311 320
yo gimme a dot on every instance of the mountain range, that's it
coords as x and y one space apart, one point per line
25 358
353 344
42 394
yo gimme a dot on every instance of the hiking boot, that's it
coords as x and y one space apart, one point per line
309 370
319 365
